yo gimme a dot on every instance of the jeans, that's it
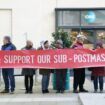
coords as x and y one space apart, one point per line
96 80
45 81
28 82
9 80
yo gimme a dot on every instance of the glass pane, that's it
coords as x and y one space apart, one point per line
60 18
93 18
68 18
88 43
100 35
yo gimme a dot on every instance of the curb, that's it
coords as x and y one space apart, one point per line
79 98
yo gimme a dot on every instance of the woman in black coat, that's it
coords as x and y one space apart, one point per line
28 72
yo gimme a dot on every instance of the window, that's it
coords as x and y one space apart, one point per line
93 18
80 18
68 18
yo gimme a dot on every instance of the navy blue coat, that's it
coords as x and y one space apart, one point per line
8 47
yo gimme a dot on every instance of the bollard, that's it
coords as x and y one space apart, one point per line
67 86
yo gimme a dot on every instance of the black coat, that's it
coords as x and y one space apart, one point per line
28 71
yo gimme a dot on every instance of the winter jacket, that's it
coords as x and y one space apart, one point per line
8 46
44 71
28 71
98 71
77 45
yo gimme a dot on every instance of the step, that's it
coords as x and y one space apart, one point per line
39 99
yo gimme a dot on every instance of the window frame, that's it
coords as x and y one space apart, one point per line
80 10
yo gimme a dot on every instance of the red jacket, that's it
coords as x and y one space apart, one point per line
98 71
77 45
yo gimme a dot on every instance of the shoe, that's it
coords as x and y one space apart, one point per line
26 92
43 91
30 92
58 91
47 91
5 91
101 91
83 90
12 92
95 91
75 91
62 91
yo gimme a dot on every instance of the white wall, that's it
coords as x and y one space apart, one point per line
81 3
5 23
36 17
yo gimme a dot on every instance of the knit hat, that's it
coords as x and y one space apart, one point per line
81 36
7 38
46 41
59 41
100 44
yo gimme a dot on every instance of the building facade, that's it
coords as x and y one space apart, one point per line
36 19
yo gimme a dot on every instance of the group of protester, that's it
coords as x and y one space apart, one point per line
79 73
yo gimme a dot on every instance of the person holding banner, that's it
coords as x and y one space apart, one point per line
45 72
8 73
79 74
60 73
28 72
98 73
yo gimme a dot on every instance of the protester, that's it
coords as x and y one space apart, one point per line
8 73
45 72
79 73
28 72
60 73
98 73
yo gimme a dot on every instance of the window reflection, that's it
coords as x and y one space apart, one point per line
100 35
68 18
89 34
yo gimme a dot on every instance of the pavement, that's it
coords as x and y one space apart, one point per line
37 98
92 99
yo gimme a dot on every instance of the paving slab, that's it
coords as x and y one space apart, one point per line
37 98
92 98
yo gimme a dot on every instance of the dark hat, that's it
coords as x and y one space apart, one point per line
59 41
7 38
100 44
45 41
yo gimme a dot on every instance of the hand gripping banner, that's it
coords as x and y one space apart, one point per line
53 59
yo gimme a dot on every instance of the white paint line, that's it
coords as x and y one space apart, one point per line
47 99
